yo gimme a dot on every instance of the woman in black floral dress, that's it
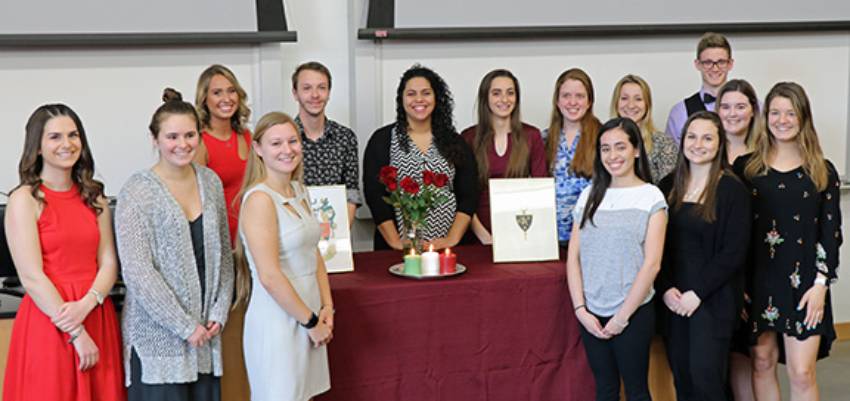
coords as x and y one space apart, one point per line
796 236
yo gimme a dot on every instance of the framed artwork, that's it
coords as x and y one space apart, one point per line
522 216
330 207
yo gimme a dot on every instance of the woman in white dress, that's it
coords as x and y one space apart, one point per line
290 314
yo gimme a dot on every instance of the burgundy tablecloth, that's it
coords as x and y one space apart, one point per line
498 332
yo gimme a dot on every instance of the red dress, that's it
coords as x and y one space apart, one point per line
225 161
42 365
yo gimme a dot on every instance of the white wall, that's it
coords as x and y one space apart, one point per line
116 90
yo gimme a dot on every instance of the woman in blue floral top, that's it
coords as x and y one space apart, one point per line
570 153
794 247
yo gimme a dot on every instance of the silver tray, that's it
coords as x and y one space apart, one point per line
398 270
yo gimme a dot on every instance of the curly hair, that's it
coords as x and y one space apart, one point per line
239 119
444 133
31 164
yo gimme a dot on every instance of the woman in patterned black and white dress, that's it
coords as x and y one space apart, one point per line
423 137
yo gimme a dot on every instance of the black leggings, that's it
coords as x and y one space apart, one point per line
624 356
698 356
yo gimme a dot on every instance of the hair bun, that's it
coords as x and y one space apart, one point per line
171 95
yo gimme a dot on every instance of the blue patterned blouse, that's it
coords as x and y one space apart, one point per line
568 186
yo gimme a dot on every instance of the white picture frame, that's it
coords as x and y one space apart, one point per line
330 206
522 219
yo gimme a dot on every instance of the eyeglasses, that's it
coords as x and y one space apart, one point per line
708 64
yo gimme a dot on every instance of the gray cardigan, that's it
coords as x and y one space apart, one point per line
163 303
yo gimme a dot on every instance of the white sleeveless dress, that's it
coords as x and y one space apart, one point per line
281 362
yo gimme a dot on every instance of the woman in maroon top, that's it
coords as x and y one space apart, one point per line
504 146
222 107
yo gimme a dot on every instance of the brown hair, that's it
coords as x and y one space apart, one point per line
255 172
312 66
518 163
707 202
172 104
713 40
31 163
807 139
582 163
743 87
239 119
647 127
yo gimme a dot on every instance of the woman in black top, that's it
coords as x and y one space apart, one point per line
702 270
794 248
423 137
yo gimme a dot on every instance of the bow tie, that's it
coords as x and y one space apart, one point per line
708 98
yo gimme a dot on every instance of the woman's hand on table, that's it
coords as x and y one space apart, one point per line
440 243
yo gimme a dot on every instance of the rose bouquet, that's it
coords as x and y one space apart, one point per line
413 199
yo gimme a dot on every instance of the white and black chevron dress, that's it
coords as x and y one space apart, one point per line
440 216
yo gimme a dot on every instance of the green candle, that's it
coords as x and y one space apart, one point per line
412 264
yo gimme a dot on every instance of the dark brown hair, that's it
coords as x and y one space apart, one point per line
172 104
31 163
518 163
707 202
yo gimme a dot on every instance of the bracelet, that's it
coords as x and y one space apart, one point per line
314 320
97 296
579 307
820 280
75 335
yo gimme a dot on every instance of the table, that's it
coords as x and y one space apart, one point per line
497 332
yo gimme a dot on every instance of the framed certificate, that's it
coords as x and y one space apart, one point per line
523 222
330 206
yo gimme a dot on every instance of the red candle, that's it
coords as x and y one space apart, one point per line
448 262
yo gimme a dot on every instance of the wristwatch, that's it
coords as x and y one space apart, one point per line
820 280
97 296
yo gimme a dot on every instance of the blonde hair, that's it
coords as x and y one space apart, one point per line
814 163
255 173
239 119
647 127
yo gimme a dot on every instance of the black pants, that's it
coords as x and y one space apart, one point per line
624 356
699 356
207 388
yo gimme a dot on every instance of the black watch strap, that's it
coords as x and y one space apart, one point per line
314 320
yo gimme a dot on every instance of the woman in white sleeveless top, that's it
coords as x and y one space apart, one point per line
290 314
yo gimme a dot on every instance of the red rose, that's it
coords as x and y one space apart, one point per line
409 185
392 186
427 177
440 180
388 175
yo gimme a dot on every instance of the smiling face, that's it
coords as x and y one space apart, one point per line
419 99
631 103
701 142
736 112
617 152
573 101
280 149
60 143
177 139
714 64
222 98
312 92
783 121
501 97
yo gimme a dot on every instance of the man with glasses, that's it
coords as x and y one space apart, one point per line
714 61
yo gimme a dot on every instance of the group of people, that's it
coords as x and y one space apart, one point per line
725 230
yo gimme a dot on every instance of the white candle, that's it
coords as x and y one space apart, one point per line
430 262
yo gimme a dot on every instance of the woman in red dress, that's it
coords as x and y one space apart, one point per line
222 107
65 343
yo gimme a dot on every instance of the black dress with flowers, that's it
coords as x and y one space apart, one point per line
796 234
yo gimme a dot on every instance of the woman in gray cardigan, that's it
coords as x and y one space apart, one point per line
173 243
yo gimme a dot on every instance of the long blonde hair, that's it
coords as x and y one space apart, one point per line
647 127
807 139
255 173
239 119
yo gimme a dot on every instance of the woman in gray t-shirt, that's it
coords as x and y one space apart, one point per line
613 258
